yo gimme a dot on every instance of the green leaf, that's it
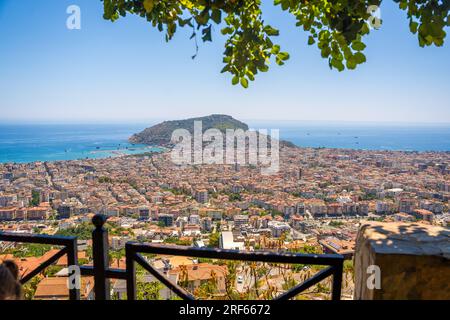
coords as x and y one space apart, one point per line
325 52
336 26
275 49
271 31
358 46
284 4
337 64
227 30
413 26
148 5
244 82
183 22
283 56
351 63
263 68
359 58
206 34
279 61
216 16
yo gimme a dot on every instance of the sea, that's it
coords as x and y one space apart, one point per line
21 143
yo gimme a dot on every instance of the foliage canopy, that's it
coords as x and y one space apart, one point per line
337 27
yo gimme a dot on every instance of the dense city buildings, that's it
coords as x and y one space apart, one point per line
312 184
315 203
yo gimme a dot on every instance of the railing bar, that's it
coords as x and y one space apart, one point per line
158 275
322 259
130 272
100 249
322 274
116 274
111 273
337 282
87 270
33 238
103 272
72 260
44 265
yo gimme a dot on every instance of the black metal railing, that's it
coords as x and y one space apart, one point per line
102 273
133 255
69 245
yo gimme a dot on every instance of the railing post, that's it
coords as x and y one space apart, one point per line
101 258
72 260
131 272
337 280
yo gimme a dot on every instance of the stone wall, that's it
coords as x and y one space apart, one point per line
414 261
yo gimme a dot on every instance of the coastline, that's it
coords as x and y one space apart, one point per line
48 143
150 150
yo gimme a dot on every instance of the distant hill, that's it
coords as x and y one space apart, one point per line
161 133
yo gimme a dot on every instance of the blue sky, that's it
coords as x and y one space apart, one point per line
125 71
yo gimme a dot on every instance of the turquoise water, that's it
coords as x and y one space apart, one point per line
27 143
365 136
31 142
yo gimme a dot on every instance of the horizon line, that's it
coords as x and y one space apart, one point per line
244 119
